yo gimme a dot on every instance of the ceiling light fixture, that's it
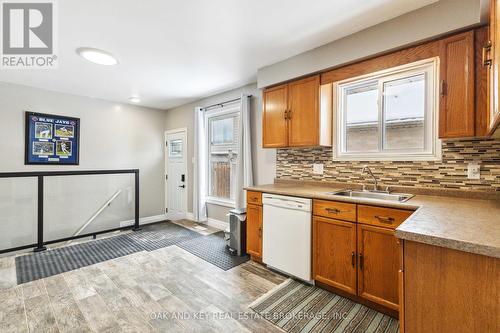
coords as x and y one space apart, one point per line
134 99
97 56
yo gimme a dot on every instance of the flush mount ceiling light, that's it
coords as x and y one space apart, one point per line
134 99
97 56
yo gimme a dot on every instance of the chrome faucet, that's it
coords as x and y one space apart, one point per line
366 168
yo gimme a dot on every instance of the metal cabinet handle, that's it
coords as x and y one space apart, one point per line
360 261
332 210
183 186
353 259
289 114
486 49
260 232
286 114
385 219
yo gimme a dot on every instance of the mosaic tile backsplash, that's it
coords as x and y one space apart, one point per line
450 173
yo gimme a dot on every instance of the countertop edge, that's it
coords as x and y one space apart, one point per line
454 244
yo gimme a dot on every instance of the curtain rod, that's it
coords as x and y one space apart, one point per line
223 103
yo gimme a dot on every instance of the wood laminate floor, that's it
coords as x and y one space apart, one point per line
167 290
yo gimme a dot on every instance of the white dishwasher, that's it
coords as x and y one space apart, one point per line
287 235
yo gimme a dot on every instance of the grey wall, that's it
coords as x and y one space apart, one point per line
436 19
113 136
264 160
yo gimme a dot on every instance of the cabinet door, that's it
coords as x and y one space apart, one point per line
254 230
274 118
303 105
456 107
334 253
378 265
494 117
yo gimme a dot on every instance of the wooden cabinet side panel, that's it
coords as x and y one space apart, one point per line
303 105
450 291
334 253
378 265
456 108
494 114
274 122
254 230
482 77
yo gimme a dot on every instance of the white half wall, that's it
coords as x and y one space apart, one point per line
113 136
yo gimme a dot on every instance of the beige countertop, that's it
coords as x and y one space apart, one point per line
465 224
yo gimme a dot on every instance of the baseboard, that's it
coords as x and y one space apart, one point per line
144 220
217 224
190 216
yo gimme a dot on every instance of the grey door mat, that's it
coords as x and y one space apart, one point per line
212 248
296 307
51 262
157 236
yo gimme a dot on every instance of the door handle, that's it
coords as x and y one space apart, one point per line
183 186
353 259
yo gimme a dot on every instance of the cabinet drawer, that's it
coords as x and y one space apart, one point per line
382 216
334 209
254 198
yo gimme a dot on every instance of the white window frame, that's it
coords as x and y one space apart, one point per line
432 144
227 109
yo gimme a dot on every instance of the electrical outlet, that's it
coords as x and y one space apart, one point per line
318 168
473 171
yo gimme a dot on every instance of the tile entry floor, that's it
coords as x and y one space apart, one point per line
163 290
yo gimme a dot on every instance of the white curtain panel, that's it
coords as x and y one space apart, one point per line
245 169
200 174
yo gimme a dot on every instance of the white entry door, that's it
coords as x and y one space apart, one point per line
176 174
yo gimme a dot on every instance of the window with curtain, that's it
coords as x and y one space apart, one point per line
222 130
389 114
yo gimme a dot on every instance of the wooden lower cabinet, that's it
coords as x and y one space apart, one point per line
359 259
334 253
447 290
254 231
378 265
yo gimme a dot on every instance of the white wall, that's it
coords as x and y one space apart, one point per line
264 160
436 19
113 136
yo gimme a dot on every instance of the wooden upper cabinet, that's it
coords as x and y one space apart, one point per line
303 106
334 253
456 106
254 231
494 91
378 265
274 119
297 114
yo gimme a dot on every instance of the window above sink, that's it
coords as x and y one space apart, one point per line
389 115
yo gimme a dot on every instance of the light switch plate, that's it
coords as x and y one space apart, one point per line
473 171
318 168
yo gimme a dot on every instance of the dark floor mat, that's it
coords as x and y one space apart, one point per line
43 264
161 235
212 248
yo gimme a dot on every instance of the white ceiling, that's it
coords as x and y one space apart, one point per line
173 52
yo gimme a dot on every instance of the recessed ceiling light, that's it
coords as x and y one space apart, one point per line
97 56
134 99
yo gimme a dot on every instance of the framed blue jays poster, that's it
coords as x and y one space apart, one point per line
52 139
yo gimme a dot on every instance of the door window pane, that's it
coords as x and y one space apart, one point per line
404 111
361 114
175 148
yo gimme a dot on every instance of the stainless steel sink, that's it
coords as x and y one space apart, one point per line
399 197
